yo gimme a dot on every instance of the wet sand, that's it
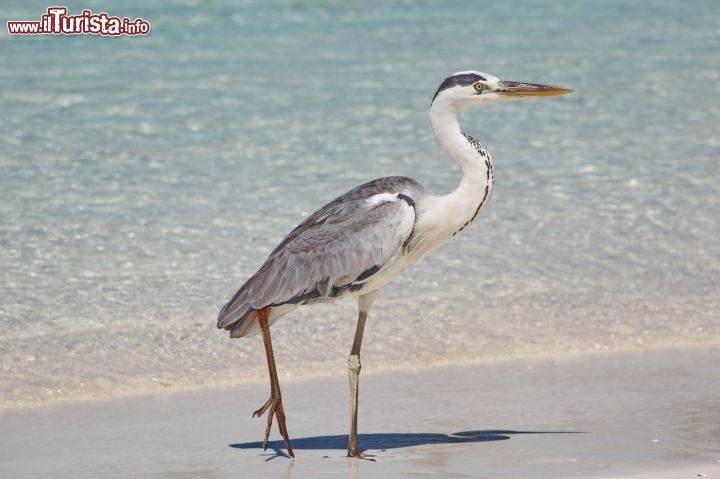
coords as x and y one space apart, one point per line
632 414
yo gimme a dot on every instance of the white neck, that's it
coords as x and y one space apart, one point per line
444 119
442 217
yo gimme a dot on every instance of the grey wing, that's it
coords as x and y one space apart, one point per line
335 250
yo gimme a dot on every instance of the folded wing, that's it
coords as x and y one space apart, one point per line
332 252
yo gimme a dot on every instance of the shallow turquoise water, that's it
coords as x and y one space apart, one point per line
143 179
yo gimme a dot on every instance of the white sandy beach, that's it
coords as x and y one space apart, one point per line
634 414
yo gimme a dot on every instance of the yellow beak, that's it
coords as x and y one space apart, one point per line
519 89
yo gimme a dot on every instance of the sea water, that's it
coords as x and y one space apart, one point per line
144 178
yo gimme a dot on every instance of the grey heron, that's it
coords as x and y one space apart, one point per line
360 241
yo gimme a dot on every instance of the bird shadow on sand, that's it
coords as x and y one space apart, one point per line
385 441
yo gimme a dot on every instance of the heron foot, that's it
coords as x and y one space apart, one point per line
274 407
360 455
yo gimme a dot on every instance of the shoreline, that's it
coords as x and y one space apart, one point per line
614 415
139 387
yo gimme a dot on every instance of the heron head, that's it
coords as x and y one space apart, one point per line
465 89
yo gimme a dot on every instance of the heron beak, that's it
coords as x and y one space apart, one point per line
519 89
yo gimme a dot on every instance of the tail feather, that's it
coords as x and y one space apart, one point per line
237 315
242 326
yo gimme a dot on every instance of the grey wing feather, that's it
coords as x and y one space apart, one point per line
332 250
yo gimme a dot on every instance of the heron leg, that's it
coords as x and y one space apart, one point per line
272 406
366 302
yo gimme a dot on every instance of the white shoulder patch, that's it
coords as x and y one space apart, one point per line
381 198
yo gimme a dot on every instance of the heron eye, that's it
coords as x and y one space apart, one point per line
479 87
